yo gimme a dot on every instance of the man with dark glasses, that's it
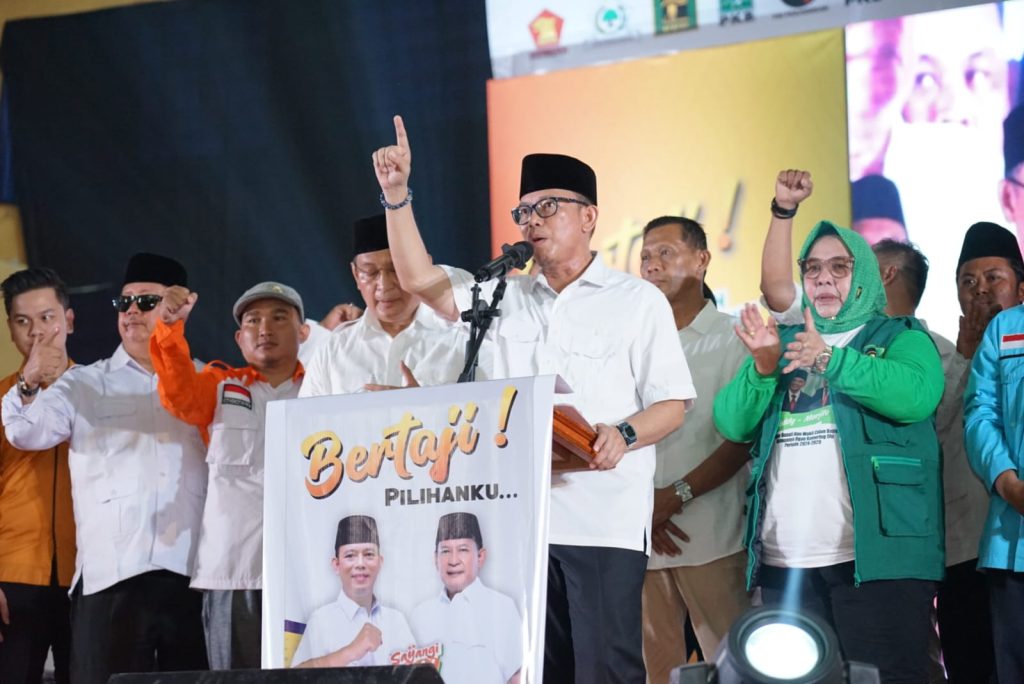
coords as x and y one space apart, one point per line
138 480
229 406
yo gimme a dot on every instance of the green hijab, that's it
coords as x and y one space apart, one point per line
867 294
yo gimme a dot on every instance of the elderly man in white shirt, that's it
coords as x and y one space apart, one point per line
698 566
395 338
611 336
479 628
138 479
354 630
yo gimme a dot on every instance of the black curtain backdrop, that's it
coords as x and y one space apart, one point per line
235 136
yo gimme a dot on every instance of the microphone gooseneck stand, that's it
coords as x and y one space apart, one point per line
479 316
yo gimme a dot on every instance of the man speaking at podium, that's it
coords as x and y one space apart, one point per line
612 337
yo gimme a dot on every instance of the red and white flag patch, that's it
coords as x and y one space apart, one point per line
236 395
1011 342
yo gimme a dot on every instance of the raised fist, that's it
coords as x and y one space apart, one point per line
177 304
341 313
792 187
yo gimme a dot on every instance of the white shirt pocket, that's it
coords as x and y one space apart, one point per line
234 439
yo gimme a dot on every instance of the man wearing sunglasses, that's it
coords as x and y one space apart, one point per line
396 342
228 405
138 480
612 337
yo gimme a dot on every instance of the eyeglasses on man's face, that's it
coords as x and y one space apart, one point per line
145 302
545 207
839 267
370 275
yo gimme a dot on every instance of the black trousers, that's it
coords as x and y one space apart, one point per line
40 619
593 633
965 625
1006 593
147 623
884 622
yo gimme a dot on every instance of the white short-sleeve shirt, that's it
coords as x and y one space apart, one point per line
613 338
714 520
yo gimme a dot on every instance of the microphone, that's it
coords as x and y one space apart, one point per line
512 256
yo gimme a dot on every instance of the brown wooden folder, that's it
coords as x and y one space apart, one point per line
572 441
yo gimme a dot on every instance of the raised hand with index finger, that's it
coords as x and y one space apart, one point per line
393 164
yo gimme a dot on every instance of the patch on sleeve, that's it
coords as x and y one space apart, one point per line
1012 342
236 395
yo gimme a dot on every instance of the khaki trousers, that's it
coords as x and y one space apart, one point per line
714 595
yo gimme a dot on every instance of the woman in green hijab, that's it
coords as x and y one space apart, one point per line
844 509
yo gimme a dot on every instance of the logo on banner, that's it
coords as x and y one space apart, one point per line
675 15
735 11
801 7
236 395
610 19
546 29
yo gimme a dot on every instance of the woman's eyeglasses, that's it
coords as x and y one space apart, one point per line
839 267
145 302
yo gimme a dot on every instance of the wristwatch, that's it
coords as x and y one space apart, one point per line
683 490
23 388
821 361
627 432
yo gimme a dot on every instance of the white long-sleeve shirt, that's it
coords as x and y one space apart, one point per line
361 352
138 475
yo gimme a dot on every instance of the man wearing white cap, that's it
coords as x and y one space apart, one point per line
138 480
228 405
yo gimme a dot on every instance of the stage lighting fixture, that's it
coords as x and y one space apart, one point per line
773 645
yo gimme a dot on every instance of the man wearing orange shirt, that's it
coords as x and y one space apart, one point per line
37 526
228 405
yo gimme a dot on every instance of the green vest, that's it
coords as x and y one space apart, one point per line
893 470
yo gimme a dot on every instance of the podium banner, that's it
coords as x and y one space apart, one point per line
432 500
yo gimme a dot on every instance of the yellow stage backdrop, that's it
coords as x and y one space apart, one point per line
702 134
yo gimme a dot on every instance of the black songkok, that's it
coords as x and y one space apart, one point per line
1013 139
459 526
356 529
369 234
551 171
153 268
876 197
988 240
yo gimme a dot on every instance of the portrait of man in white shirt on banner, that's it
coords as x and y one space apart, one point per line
355 629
